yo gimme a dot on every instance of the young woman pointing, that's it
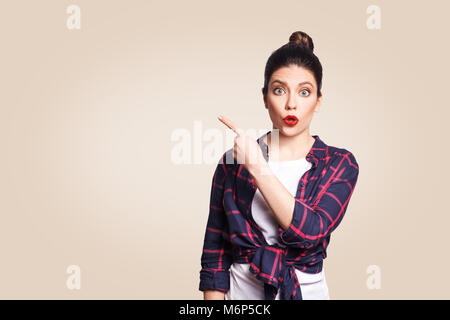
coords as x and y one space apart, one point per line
273 209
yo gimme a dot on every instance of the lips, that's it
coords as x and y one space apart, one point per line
290 120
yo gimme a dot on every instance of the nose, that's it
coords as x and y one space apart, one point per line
291 103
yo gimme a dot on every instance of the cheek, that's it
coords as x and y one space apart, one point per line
307 110
307 116
309 105
274 106
271 101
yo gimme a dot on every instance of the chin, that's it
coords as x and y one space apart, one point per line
289 131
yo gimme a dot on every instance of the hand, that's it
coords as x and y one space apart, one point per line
246 150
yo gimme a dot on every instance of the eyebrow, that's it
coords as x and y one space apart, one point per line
301 83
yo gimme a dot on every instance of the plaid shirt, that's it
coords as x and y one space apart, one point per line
232 235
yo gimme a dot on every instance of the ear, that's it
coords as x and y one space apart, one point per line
318 103
264 97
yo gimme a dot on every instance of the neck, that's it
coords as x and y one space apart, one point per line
290 147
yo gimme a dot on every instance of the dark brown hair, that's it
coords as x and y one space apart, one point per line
298 51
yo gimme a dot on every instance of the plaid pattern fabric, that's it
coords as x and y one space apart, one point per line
232 235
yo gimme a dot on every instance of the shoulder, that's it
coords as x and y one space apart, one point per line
339 155
227 161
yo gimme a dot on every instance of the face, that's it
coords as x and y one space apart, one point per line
292 91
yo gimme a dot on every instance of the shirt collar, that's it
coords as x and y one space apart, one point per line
318 151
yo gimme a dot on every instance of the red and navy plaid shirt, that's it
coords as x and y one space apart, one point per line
232 235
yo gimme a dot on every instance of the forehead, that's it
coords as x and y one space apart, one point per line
292 75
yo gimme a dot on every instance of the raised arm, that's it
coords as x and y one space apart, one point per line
311 224
304 225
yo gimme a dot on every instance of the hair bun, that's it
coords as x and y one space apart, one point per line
302 39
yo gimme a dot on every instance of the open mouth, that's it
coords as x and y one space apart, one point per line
290 120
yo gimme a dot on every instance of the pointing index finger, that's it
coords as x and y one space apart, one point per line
230 124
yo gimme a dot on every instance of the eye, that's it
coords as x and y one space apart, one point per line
307 91
277 89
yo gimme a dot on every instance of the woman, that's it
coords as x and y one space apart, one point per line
272 209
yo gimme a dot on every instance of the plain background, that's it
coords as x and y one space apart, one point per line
86 118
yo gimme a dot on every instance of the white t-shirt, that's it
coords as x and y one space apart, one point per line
243 284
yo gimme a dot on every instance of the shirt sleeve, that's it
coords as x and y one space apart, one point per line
216 257
310 224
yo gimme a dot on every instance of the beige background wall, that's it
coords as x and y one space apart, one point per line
86 118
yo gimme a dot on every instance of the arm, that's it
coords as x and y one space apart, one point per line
304 225
216 257
275 193
213 295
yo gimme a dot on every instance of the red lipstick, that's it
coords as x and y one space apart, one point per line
290 120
